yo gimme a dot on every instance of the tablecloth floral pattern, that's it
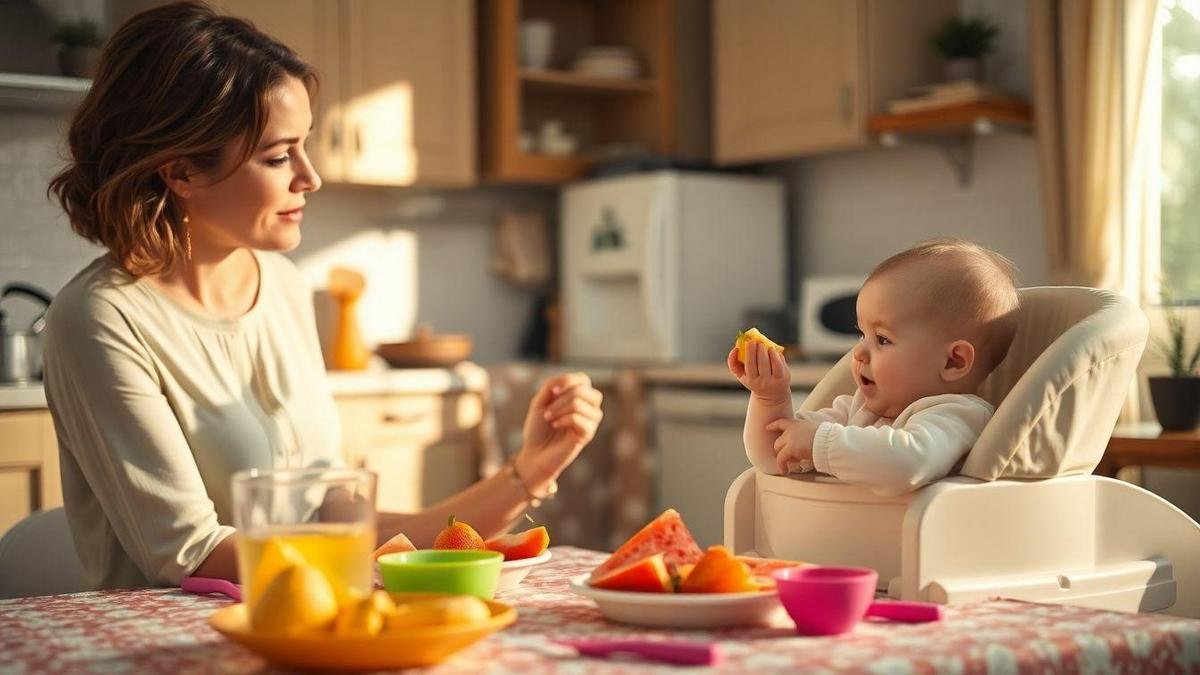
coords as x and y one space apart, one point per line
165 630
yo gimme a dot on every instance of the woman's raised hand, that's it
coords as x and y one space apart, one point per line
562 418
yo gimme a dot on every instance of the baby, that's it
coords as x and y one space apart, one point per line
935 320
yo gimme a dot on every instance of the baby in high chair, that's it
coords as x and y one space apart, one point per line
935 320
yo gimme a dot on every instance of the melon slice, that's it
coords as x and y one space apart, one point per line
528 544
648 575
718 572
665 534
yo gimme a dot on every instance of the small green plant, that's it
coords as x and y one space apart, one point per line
962 38
80 33
1174 348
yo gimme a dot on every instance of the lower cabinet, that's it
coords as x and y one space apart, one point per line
28 465
424 447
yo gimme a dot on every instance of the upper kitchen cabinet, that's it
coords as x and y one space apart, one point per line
397 102
798 77
582 81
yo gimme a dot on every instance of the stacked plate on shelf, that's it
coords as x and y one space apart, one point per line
607 61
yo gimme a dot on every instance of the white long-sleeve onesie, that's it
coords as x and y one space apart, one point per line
888 456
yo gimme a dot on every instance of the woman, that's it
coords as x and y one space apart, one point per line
189 351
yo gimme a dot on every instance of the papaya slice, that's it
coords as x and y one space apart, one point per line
648 575
528 544
719 572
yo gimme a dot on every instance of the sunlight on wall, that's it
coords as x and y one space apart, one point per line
388 259
381 136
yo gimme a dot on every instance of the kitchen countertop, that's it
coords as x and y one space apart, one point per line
22 396
805 375
379 379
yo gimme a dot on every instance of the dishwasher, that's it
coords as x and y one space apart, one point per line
699 451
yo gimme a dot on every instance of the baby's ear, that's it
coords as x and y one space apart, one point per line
960 358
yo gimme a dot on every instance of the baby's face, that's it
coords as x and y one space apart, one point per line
900 356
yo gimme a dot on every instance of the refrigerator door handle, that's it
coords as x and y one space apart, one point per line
654 301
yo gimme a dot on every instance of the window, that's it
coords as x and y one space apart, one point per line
1180 226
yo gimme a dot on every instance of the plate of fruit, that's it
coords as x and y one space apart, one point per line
661 577
522 550
381 631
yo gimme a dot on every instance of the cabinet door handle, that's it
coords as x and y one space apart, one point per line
847 102
358 140
403 418
335 135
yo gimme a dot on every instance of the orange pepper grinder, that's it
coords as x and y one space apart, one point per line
348 352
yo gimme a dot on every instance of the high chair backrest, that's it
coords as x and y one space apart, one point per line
1059 391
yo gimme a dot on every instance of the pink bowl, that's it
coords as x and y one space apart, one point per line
826 600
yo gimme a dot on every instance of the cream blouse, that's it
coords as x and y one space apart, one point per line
157 405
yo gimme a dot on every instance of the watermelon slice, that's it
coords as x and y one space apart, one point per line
528 544
648 575
665 534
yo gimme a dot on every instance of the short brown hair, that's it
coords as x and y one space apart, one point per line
973 287
174 82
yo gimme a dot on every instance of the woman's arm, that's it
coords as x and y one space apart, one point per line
562 419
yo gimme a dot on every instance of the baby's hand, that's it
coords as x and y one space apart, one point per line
765 373
794 443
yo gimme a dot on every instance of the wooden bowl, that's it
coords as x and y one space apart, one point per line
432 351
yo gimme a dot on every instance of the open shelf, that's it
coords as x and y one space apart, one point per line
23 91
956 119
535 167
566 81
952 129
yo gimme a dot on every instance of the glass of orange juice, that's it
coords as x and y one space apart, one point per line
320 517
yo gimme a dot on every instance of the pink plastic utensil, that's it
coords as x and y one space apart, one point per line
832 600
679 652
206 585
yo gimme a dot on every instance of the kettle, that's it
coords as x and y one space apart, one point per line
21 350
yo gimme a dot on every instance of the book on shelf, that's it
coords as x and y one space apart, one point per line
946 94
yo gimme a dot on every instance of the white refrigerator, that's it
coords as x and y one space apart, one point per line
660 267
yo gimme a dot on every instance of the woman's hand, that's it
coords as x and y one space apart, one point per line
794 443
562 418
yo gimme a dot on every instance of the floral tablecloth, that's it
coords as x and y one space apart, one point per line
165 631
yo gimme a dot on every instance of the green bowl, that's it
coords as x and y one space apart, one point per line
461 572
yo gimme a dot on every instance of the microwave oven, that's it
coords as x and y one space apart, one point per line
828 315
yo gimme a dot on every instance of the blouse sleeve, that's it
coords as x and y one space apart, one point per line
113 418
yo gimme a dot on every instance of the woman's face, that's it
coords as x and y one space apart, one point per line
260 205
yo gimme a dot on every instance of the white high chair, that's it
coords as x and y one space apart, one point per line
1023 518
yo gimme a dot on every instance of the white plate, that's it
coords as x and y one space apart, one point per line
683 610
513 571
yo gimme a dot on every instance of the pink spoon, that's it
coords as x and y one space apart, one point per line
679 652
206 585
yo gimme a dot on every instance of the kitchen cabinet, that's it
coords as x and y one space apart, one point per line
802 77
424 446
29 478
397 104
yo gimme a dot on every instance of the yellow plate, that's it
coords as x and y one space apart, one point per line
420 646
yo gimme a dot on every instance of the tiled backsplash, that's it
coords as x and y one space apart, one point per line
36 243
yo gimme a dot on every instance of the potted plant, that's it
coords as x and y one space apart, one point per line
1176 396
962 44
79 47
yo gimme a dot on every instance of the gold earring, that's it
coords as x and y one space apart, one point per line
187 239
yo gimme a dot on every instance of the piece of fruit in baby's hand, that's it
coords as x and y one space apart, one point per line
753 335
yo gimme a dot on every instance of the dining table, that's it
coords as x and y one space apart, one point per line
165 630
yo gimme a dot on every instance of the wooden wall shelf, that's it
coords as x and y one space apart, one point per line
565 81
958 119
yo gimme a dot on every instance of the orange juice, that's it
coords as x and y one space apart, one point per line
340 551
